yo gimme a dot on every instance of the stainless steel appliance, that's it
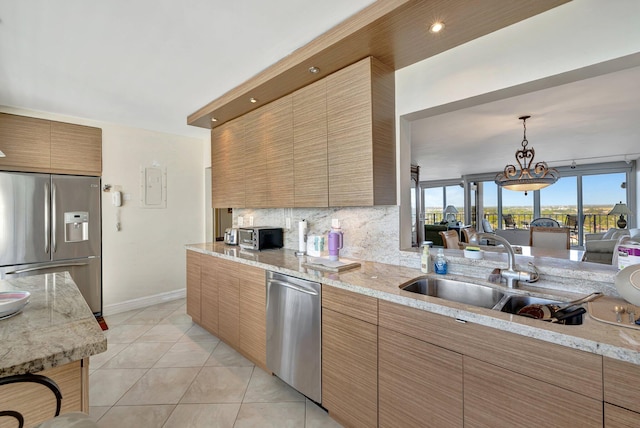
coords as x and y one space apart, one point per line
294 333
51 223
260 238
231 236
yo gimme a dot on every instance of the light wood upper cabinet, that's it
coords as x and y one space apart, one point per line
193 285
227 165
255 164
26 143
311 178
38 145
361 139
280 152
76 149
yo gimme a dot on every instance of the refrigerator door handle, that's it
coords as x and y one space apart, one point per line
54 220
47 214
33 269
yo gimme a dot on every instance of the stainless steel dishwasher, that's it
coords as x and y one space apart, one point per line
293 333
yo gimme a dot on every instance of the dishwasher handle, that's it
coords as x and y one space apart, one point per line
296 287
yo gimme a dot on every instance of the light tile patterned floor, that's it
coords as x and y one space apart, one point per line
162 371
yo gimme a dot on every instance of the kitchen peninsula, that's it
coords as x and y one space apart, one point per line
394 345
54 335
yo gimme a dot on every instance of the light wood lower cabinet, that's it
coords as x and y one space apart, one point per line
419 384
37 403
228 299
193 286
350 357
618 417
495 397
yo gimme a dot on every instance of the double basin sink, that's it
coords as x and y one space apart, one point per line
475 294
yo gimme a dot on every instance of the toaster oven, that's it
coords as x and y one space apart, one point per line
260 238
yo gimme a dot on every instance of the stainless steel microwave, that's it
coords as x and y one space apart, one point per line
260 238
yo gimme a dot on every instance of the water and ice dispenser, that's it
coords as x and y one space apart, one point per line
76 226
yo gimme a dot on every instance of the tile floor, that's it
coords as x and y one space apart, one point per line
161 370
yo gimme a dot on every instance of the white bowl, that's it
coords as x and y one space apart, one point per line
474 254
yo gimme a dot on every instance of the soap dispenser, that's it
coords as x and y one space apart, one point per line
441 263
425 262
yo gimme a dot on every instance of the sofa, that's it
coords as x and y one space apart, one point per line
599 246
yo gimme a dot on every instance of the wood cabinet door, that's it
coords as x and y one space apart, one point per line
350 135
622 384
76 149
253 328
209 294
229 303
227 165
617 417
349 369
496 397
26 143
419 384
279 147
193 285
310 175
37 403
255 159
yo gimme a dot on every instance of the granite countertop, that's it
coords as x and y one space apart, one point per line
383 282
56 327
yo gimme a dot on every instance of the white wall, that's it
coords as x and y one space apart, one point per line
147 256
572 36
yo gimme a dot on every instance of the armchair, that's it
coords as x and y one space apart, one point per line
599 246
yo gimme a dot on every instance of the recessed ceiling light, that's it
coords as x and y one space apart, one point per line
253 100
314 70
436 27
213 119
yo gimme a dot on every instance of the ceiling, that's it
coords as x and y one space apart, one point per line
147 63
589 120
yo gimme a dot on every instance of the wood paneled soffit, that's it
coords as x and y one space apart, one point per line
394 31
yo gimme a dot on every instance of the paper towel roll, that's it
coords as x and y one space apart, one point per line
302 236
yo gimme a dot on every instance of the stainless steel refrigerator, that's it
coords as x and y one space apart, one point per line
51 223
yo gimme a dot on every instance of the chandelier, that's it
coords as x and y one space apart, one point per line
523 179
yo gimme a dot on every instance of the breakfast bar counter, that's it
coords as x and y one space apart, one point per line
55 328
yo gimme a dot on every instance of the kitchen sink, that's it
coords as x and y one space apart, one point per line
456 291
514 303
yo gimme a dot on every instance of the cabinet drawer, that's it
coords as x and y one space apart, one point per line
617 417
575 370
495 397
355 305
622 384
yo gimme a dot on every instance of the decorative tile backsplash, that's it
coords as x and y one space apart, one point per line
370 233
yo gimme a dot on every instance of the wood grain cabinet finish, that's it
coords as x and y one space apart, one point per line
229 303
255 163
419 384
355 305
253 329
349 369
209 294
558 365
26 142
37 403
38 145
193 285
622 384
311 177
495 397
76 149
617 417
227 165
361 136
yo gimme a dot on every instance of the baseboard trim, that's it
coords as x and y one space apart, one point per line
143 302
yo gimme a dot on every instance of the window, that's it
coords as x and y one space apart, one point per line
600 193
560 202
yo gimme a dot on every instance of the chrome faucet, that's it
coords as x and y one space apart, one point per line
511 275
